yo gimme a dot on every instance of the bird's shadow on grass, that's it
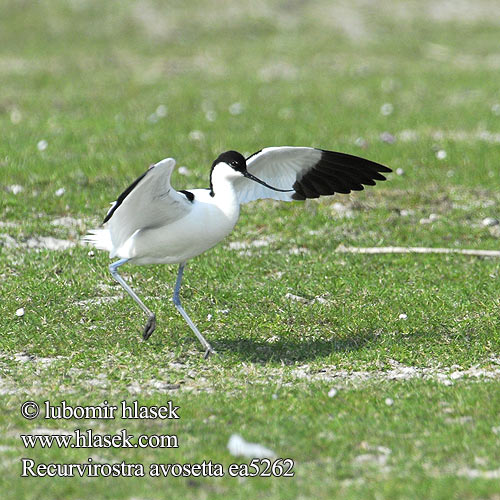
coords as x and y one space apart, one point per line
291 350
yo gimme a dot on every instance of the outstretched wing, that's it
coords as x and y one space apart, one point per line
150 201
308 172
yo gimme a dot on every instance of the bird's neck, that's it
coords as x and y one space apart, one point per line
223 192
221 181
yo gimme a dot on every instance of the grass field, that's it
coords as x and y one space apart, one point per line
94 92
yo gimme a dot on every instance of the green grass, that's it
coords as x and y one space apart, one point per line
87 76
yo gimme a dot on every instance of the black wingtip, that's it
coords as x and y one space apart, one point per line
338 173
352 160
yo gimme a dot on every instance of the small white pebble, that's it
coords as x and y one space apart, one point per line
495 109
237 446
15 116
403 316
441 154
60 192
490 221
430 219
387 137
405 212
236 108
183 171
211 115
42 145
196 135
386 109
15 189
332 392
389 401
161 111
20 312
91 253
400 171
296 298
360 142
408 135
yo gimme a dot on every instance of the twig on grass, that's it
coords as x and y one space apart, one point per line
373 250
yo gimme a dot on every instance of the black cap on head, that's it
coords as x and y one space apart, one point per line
234 159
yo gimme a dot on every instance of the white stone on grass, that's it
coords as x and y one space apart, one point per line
387 137
490 221
332 392
236 108
20 312
386 109
15 116
238 447
360 142
211 115
183 171
161 111
196 135
15 188
42 145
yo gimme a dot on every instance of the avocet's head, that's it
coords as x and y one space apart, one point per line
232 165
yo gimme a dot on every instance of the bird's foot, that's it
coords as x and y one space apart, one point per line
149 328
208 351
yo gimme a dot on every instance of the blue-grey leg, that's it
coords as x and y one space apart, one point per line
151 323
177 302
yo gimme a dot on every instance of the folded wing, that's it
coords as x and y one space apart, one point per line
149 202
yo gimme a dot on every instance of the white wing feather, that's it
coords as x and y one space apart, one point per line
277 166
153 202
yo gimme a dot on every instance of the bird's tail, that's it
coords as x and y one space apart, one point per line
100 238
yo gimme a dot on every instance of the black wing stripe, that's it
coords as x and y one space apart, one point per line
122 197
348 175
337 173
357 172
306 187
342 181
352 161
329 184
340 184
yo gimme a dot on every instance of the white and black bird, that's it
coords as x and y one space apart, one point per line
152 223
